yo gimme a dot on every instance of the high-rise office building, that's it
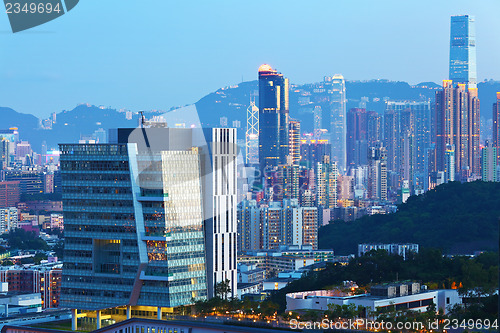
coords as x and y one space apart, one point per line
252 135
463 50
150 219
496 126
335 88
273 118
457 127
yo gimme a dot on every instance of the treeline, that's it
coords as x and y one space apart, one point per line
455 217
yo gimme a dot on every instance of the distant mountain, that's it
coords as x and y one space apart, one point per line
231 102
455 217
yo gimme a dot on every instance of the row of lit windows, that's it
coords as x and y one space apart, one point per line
101 228
96 190
94 165
98 216
97 203
112 177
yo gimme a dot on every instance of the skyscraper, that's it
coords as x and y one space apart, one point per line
294 142
335 88
150 219
407 135
357 143
377 179
496 126
252 135
463 50
457 128
273 118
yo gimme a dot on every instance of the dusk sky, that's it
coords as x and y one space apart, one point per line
156 54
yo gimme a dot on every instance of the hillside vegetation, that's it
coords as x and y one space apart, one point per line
454 217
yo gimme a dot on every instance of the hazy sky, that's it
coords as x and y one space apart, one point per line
155 54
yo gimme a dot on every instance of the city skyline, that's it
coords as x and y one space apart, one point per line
98 63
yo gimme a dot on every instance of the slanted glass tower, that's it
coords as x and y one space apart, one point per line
463 50
150 219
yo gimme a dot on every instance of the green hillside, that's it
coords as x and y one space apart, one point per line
457 218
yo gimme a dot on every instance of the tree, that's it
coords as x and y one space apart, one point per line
222 289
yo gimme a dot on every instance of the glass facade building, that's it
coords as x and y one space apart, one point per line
335 88
463 50
273 118
149 218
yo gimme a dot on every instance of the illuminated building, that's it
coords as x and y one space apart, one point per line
294 142
252 135
150 219
463 50
496 126
335 88
457 125
273 118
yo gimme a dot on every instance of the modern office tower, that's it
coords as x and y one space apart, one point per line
273 118
326 183
290 175
8 219
312 152
252 135
294 142
457 125
335 88
273 226
489 163
150 219
377 180
496 126
463 50
10 194
249 226
356 141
